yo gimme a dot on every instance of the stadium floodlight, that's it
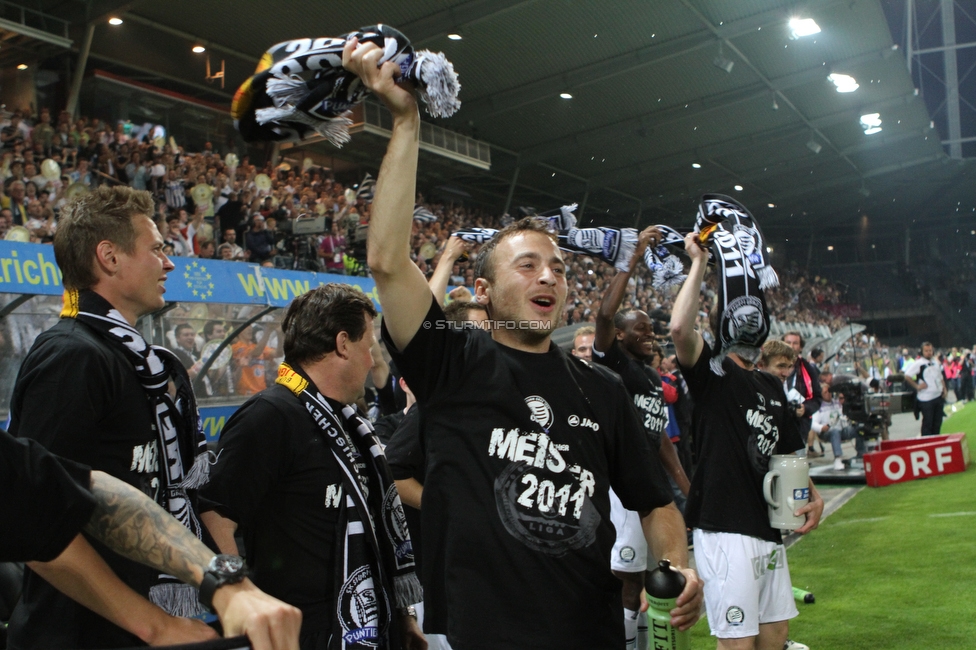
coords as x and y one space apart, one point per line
844 83
800 27
871 123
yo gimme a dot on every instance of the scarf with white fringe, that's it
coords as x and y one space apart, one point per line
739 252
300 87
185 466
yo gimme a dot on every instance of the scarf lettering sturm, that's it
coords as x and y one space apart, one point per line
375 558
182 441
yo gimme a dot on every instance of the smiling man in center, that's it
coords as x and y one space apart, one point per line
523 441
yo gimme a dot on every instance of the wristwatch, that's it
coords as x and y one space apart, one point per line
222 570
409 610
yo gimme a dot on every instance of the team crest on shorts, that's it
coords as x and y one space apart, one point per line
735 616
627 554
359 610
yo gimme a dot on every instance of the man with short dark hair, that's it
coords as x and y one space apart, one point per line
523 441
624 342
92 390
300 472
259 240
926 377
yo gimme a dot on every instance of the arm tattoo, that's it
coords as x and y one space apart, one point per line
132 525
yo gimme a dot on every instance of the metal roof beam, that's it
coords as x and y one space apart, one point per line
699 106
529 93
658 165
193 38
705 21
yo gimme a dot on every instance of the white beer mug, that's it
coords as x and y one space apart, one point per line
786 489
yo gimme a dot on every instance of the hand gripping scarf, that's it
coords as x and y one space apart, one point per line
375 556
300 87
186 464
739 252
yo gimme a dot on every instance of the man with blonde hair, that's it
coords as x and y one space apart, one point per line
92 390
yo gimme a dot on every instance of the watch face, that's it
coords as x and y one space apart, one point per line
226 564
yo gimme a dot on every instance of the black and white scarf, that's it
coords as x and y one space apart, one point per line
375 558
739 252
615 246
182 445
300 87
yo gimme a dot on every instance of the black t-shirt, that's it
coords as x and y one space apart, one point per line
516 511
644 386
277 478
81 399
46 501
741 420
387 424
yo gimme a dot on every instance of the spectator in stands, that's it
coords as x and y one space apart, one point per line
249 359
925 376
830 423
14 201
230 238
208 249
174 237
259 242
331 249
583 342
186 348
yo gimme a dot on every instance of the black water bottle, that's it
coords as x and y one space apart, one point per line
663 586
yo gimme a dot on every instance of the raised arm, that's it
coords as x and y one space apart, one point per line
605 330
402 288
688 342
442 273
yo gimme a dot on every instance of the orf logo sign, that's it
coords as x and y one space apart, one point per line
907 460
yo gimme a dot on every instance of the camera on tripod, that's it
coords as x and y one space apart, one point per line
872 411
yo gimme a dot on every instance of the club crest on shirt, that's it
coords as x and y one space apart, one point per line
358 609
396 526
541 411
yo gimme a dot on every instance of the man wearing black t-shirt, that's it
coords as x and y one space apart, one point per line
284 476
624 342
523 442
81 393
741 420
53 499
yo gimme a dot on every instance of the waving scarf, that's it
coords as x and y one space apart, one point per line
612 245
186 464
739 252
300 87
375 553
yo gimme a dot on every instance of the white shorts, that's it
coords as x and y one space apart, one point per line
629 553
747 582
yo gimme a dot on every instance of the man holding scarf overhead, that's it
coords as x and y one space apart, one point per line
741 420
302 475
93 391
523 442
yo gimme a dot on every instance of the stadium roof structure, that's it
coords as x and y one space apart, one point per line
630 107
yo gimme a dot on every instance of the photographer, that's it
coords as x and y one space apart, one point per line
803 382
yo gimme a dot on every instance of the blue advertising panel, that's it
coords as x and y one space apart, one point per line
213 419
31 269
